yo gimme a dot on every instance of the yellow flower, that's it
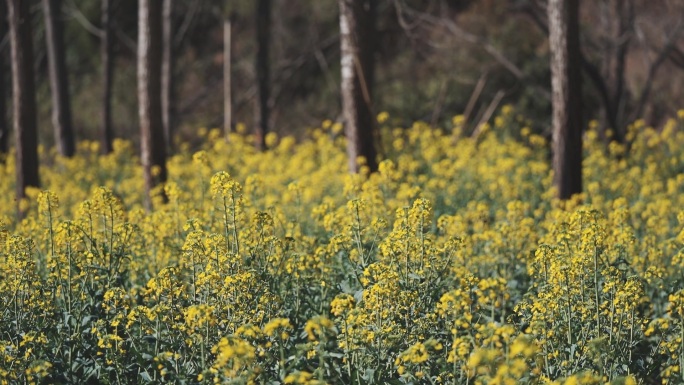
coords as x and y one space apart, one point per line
318 327
383 117
341 304
275 324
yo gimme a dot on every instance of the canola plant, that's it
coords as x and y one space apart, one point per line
453 264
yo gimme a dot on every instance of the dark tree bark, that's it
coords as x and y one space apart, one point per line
227 77
153 150
168 100
357 25
263 34
567 99
593 73
23 97
4 125
615 64
107 55
59 80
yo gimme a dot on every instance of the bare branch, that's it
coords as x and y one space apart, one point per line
475 96
488 113
655 65
475 40
677 57
325 68
126 40
187 22
75 13
439 103
408 28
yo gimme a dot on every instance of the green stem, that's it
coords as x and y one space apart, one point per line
596 292
235 231
346 348
681 347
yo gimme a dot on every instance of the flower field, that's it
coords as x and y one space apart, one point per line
451 265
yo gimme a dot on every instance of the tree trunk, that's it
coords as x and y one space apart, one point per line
621 23
263 33
4 126
567 102
107 55
357 27
625 14
23 98
227 77
168 102
153 150
59 81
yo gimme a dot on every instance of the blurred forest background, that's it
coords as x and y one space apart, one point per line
434 59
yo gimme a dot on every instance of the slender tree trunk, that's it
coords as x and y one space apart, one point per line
168 102
567 98
263 32
59 80
153 149
107 55
592 72
4 125
357 25
227 77
615 63
23 98
624 11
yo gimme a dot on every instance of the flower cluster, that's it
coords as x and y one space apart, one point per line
453 264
